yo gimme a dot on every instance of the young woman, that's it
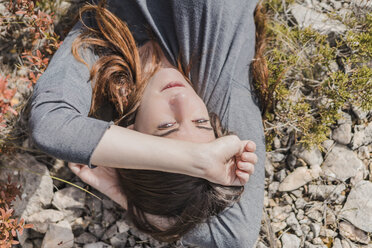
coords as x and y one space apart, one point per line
217 34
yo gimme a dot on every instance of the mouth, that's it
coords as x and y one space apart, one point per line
173 84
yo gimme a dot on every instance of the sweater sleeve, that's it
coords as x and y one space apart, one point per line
59 122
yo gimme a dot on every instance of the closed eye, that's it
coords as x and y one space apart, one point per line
200 121
166 125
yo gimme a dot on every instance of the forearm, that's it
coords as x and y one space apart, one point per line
124 148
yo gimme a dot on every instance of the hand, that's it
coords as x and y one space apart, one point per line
103 179
230 161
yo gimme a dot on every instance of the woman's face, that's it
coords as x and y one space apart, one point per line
175 112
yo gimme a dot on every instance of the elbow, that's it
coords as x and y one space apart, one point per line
38 133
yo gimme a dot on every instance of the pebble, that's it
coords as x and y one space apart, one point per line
330 218
351 232
86 238
300 203
269 168
280 213
273 188
358 207
362 136
97 230
299 177
342 134
327 144
359 112
278 226
363 152
305 229
276 143
315 215
341 163
122 226
276 157
328 233
42 219
337 243
290 241
293 223
280 175
95 207
312 157
261 245
300 215
345 118
119 239
97 245
59 235
315 228
110 232
68 198
108 218
326 192
291 161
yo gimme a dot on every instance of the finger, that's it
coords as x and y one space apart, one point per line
250 146
243 177
249 157
75 168
246 167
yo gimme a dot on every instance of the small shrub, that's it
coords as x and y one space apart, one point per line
313 77
8 224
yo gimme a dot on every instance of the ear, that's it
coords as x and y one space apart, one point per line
131 127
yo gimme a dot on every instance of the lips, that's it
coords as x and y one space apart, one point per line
173 84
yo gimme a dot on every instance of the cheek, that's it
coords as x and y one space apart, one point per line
147 116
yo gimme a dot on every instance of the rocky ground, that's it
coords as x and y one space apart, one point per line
320 197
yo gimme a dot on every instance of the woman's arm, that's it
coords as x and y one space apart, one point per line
124 148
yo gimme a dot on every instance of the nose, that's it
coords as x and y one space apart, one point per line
180 105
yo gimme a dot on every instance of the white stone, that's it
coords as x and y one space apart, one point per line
278 226
37 186
358 207
59 235
327 144
276 156
122 226
312 157
290 241
307 17
97 245
315 228
293 223
299 177
42 219
362 136
329 192
345 118
342 134
351 232
68 198
365 4
280 213
342 163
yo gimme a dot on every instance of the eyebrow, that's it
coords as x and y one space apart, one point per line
177 129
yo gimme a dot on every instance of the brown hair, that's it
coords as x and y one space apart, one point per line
120 78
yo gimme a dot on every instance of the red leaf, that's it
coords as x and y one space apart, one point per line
20 12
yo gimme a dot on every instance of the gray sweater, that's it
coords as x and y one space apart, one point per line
221 35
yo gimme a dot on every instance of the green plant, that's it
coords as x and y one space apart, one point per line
312 77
